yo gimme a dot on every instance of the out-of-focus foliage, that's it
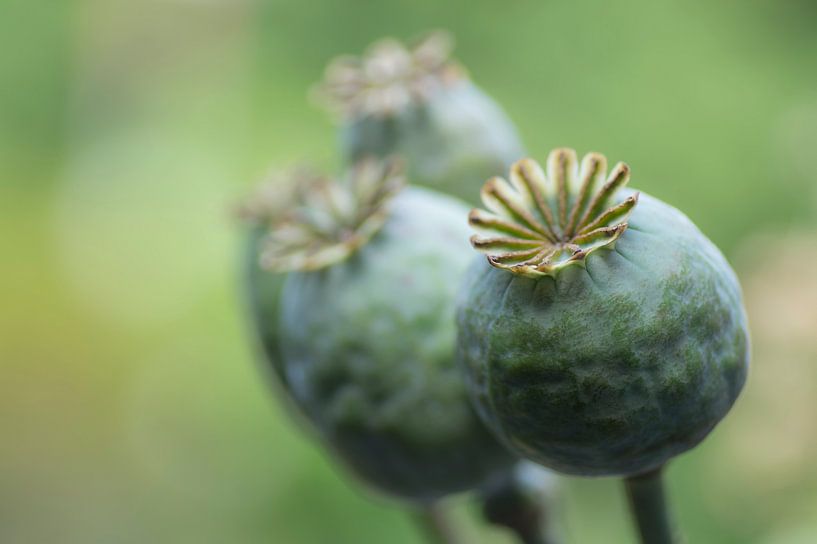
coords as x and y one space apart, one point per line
130 406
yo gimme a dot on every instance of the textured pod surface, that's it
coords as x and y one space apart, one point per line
367 348
453 141
613 367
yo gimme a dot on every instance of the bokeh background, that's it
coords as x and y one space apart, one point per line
130 404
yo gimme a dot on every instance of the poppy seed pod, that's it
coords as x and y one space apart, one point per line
269 204
604 333
366 332
421 105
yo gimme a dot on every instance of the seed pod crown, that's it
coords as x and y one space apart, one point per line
320 221
540 223
389 76
271 200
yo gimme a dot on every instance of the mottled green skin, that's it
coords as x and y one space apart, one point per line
615 367
452 143
368 350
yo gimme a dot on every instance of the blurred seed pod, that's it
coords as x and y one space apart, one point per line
361 331
418 103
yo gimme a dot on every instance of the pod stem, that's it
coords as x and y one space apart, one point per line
533 535
524 514
648 504
435 525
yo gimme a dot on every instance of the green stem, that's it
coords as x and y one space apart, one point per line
434 524
648 504
510 505
529 529
533 536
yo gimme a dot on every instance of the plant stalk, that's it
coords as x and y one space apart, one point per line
524 512
528 529
533 535
648 504
435 525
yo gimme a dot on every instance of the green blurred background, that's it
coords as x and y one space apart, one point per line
131 407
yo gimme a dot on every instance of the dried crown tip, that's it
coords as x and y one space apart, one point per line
270 200
389 76
323 221
539 223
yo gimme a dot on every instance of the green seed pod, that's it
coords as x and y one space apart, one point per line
421 105
366 332
261 287
605 334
